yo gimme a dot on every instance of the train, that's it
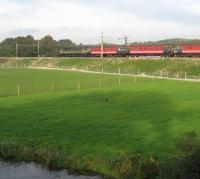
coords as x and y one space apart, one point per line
185 50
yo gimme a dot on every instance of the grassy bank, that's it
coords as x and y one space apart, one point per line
97 129
150 66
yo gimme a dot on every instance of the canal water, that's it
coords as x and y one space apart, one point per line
34 171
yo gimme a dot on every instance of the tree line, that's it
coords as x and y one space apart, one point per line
28 46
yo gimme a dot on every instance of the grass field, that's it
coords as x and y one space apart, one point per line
98 124
33 81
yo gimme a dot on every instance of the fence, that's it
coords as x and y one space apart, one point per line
179 75
51 87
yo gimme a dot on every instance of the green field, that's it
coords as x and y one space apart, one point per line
90 129
31 81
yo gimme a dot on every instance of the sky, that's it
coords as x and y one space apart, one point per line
82 21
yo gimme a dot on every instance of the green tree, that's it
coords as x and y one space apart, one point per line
48 47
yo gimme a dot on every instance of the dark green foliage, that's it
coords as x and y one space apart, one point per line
28 46
190 166
48 47
185 164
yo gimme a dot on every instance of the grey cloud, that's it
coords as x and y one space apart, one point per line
146 11
163 10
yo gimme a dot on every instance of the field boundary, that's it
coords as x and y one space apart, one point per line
116 74
143 75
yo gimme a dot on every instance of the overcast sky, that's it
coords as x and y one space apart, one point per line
84 20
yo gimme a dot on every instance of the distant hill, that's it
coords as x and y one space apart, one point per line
174 41
179 41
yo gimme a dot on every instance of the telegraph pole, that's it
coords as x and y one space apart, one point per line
38 49
16 50
126 41
102 45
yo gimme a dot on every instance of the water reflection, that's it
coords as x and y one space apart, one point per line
34 171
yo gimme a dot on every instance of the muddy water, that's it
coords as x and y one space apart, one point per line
34 171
